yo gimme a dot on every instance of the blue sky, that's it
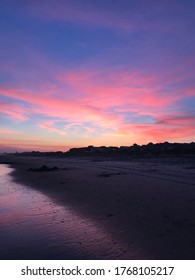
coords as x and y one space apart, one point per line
78 73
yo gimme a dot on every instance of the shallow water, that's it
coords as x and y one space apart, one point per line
32 226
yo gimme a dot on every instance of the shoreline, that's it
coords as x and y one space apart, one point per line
146 203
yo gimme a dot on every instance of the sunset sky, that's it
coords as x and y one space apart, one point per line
96 72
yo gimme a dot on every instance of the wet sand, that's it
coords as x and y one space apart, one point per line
146 206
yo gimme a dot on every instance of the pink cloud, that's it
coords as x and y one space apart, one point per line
13 111
190 92
50 126
166 129
103 98
59 108
181 120
8 131
109 89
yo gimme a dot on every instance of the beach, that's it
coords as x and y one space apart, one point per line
145 205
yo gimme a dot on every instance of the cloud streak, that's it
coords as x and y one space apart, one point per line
96 72
127 16
102 101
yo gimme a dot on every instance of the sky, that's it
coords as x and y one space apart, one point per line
75 73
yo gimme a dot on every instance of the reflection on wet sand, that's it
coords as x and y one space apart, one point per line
33 227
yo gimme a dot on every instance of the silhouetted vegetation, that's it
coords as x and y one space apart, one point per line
150 149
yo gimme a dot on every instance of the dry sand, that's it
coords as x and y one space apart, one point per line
147 203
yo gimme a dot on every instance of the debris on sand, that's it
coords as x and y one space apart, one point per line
44 168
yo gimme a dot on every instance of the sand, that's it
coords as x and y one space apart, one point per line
147 203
